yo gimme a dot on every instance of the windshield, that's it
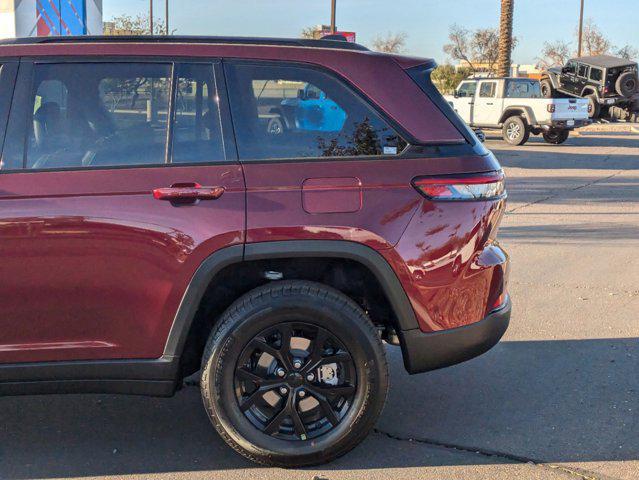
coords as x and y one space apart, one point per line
523 89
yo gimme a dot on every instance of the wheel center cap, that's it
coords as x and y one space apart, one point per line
295 379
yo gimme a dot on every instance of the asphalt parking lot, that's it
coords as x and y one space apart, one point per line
557 398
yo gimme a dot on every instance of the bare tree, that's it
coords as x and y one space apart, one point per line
628 52
505 37
390 43
308 32
594 41
485 47
478 49
554 54
460 48
138 25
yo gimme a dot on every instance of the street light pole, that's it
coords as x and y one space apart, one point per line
151 16
581 28
333 29
166 14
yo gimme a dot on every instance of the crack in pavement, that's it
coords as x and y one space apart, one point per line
573 471
549 197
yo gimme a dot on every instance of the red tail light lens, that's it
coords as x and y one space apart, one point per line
551 107
483 186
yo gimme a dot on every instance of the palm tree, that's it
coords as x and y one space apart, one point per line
505 37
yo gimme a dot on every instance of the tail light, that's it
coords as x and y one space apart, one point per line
482 186
606 89
551 107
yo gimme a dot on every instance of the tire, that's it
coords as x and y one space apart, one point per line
627 84
275 126
515 130
256 323
556 137
594 108
546 88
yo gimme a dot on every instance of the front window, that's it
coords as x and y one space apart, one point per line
467 89
87 115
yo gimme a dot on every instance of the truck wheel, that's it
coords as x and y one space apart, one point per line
627 84
546 88
515 130
555 136
594 108
294 374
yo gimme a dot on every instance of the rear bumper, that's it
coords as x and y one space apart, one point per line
429 351
563 124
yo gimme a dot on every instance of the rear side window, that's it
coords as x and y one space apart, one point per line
197 135
583 71
487 89
291 111
523 89
596 74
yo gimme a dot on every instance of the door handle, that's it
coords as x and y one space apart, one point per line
187 193
489 103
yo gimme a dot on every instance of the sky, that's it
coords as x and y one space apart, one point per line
426 22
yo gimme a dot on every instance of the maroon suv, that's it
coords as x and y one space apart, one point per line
266 211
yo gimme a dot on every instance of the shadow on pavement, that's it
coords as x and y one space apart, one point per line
560 401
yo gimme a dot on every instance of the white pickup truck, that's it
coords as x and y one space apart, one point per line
517 107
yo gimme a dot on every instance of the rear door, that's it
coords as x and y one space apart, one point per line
93 263
323 180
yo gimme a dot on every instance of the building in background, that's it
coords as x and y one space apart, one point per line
30 18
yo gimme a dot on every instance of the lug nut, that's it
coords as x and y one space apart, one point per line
297 364
310 377
301 393
283 390
280 372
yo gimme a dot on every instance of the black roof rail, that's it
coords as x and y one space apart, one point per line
293 42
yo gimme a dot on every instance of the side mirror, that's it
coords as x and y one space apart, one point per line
456 94
300 94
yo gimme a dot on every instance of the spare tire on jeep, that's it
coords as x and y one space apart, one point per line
627 84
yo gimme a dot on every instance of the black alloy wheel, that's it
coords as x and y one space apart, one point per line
295 381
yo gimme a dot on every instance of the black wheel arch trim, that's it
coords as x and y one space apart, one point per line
367 256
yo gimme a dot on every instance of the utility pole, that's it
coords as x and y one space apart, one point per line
581 28
166 14
333 28
151 16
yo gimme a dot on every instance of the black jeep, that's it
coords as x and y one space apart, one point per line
604 80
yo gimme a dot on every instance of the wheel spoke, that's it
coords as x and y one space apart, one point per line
277 354
333 390
274 425
250 401
244 374
298 424
327 408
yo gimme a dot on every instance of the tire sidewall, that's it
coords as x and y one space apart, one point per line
371 379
